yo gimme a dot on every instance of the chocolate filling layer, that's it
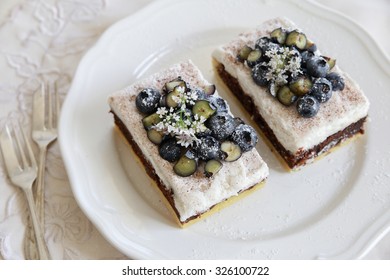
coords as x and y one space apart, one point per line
147 165
302 156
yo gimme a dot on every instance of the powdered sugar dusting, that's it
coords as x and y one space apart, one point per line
293 132
194 194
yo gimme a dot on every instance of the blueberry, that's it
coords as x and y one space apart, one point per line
245 136
163 101
212 167
243 53
254 58
203 108
317 66
336 80
208 148
273 88
238 121
301 85
191 154
170 86
279 35
259 73
217 103
205 93
307 106
232 151
305 56
201 94
331 61
185 166
210 89
170 150
147 100
286 96
312 47
321 90
221 125
206 132
297 39
263 43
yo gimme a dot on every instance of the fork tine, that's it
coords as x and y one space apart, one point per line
19 145
29 150
57 102
39 108
50 106
8 151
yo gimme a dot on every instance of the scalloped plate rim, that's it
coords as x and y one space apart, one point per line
74 175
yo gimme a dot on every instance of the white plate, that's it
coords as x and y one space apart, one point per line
335 208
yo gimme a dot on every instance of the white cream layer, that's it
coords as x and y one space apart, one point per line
293 132
195 194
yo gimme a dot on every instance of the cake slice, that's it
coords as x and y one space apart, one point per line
196 152
302 101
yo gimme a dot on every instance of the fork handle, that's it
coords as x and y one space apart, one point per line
30 245
40 187
39 238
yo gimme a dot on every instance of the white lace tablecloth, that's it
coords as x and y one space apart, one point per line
44 40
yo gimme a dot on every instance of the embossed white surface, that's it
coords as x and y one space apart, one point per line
46 39
313 213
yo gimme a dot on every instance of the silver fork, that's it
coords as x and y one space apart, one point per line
22 170
44 132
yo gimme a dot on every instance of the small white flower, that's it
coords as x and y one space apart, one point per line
178 121
170 128
162 111
200 128
186 139
194 96
282 61
180 89
177 99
